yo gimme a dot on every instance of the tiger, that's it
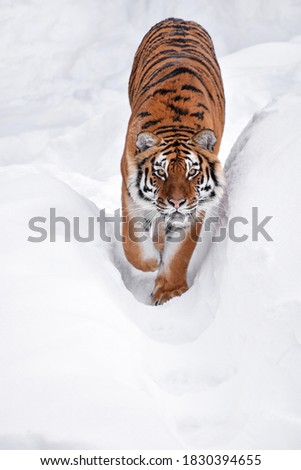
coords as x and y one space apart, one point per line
171 174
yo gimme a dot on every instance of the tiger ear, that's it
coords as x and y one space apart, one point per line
146 140
205 139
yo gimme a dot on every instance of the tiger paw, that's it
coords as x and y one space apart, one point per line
164 292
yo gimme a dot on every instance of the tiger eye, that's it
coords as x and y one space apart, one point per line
192 172
161 173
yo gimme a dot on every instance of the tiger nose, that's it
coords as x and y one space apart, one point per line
177 202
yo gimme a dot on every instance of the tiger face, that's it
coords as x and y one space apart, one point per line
178 177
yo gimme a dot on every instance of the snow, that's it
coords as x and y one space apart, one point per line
85 361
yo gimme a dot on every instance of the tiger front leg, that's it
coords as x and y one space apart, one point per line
140 251
138 245
172 277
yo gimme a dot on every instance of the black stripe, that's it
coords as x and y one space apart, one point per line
181 126
186 152
174 73
175 135
207 172
198 115
145 187
187 147
163 91
200 158
178 110
201 105
211 164
147 124
185 43
141 163
142 196
159 70
145 113
191 88
179 32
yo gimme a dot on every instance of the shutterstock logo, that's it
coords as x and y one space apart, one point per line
83 231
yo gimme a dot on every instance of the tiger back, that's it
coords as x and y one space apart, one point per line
176 80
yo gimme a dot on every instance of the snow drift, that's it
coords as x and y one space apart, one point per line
85 362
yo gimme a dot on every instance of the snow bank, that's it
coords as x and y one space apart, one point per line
85 362
217 367
252 78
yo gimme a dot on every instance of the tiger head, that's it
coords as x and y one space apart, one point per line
179 176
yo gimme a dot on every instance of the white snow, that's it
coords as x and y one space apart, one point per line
85 362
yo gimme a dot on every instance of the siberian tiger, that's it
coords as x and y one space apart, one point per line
171 173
